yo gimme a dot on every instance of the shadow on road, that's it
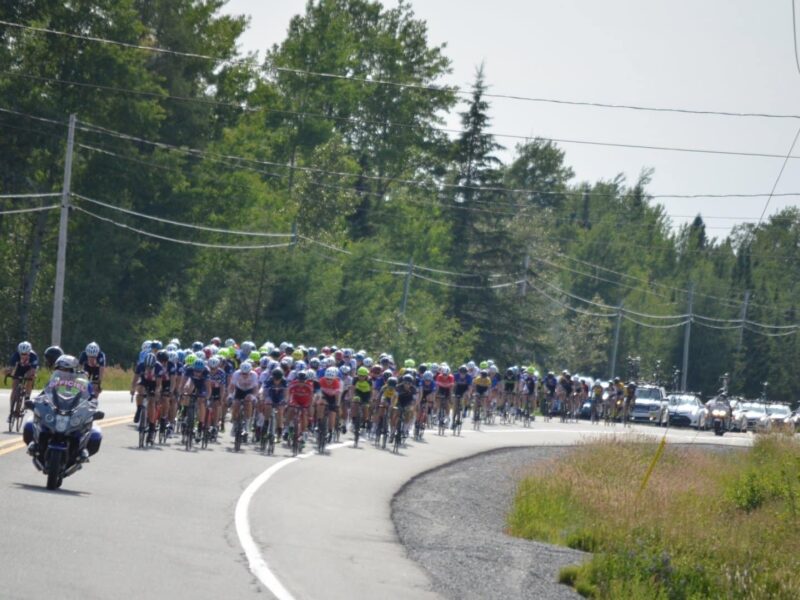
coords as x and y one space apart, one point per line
43 490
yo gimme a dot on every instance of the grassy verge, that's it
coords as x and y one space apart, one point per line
708 525
114 378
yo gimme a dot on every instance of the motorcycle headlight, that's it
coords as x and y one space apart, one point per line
49 418
75 421
719 413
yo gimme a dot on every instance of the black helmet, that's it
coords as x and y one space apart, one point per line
52 354
484 373
197 346
277 373
392 382
301 376
408 378
162 356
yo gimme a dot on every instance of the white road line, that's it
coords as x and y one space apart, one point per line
258 566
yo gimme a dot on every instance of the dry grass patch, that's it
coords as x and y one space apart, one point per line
709 524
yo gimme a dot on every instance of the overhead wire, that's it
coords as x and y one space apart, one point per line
780 174
17 211
43 195
379 81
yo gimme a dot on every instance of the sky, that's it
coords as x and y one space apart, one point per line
723 55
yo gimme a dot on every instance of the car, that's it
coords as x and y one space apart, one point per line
751 416
779 416
683 410
650 399
794 420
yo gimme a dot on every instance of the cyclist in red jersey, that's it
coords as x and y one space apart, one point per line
444 386
331 390
301 393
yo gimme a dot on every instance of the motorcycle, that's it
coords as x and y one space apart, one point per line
720 418
61 436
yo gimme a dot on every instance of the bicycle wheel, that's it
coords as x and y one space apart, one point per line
143 425
188 428
20 414
262 436
322 435
237 437
356 424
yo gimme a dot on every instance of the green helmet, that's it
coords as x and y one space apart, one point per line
484 364
255 357
410 364
190 358
363 371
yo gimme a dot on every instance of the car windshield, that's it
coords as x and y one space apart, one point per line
756 408
682 400
648 394
778 411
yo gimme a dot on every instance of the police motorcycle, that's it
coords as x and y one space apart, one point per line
61 436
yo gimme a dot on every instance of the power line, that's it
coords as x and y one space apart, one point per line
18 211
794 36
179 224
180 241
14 196
378 81
780 173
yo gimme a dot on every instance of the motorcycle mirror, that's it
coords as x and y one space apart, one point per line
98 415
29 404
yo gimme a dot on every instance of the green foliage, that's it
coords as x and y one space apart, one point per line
708 525
358 166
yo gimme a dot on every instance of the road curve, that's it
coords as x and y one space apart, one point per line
135 523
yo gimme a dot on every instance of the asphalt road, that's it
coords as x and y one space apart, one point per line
210 523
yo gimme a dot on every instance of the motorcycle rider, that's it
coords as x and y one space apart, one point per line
66 364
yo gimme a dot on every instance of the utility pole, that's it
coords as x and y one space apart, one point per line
744 318
61 258
613 366
686 336
406 285
294 234
525 266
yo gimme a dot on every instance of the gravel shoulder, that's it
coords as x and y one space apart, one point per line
451 520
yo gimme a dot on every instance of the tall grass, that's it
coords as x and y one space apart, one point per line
114 378
709 524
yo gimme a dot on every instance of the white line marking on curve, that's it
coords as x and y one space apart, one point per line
258 566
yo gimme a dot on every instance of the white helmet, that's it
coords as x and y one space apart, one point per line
146 345
24 348
66 362
246 367
213 362
331 372
93 350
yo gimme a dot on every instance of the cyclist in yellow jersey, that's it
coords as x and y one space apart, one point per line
482 384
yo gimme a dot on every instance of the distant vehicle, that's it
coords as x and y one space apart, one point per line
778 417
751 416
794 420
650 400
683 410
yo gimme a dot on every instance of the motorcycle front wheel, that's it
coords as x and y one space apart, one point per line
54 478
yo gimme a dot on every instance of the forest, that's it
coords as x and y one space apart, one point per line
316 195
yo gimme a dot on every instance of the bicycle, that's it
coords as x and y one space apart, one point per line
441 419
382 430
476 413
457 418
19 396
187 429
322 434
397 434
144 422
526 413
240 430
355 417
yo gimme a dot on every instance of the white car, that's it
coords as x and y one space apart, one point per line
751 416
650 400
779 417
685 410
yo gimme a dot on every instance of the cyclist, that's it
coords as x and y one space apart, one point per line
23 365
361 396
273 394
330 393
93 361
427 392
149 373
386 399
463 387
345 399
51 355
243 387
219 382
444 386
509 388
482 385
301 393
596 400
404 401
167 377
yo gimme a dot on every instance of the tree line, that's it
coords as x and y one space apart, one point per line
408 238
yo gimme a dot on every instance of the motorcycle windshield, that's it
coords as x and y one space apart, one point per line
66 390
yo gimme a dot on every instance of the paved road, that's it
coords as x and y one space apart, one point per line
210 523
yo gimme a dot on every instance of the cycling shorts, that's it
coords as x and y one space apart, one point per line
443 392
403 403
362 396
275 402
23 370
508 387
461 390
303 404
240 394
148 386
331 401
216 394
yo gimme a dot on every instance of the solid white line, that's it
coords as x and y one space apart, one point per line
258 566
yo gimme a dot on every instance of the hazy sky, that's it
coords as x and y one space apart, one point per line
731 55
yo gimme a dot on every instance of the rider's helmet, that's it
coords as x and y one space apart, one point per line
445 370
363 372
24 348
246 367
409 363
149 361
427 376
301 376
275 353
68 363
92 350
146 345
277 373
52 354
230 343
484 373
175 342
190 359
216 342
314 363
345 370
162 356
331 373
462 369
298 354
387 374
392 382
156 345
338 355
198 364
213 362
368 362
254 357
484 364
493 369
299 365
471 365
197 346
408 378
263 362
